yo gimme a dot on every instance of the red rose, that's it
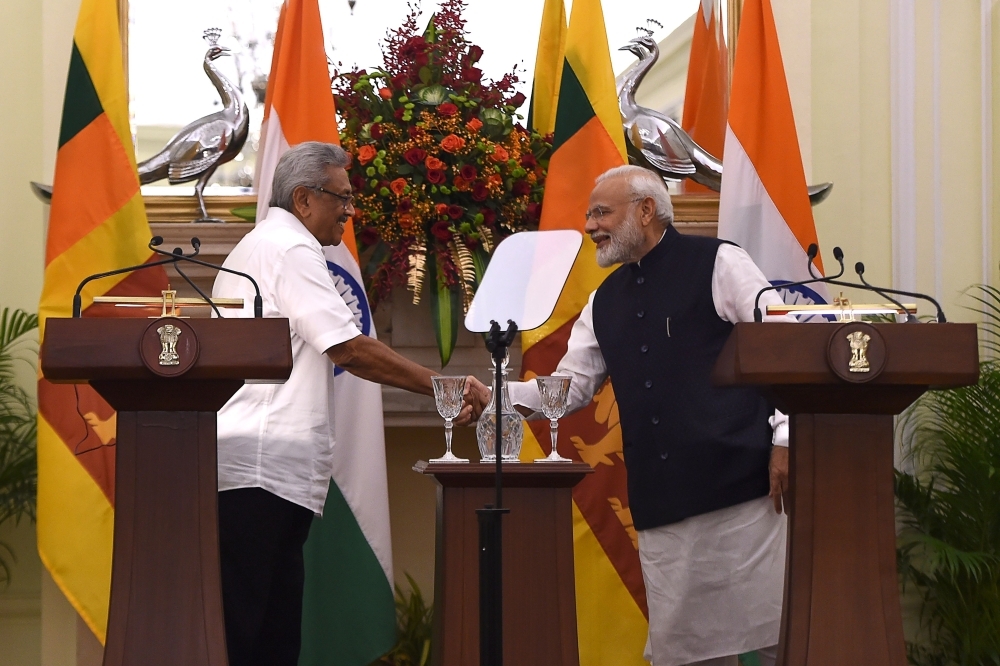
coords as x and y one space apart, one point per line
479 191
398 113
376 131
521 188
413 47
441 231
455 212
528 161
489 216
452 143
533 211
435 176
415 132
366 154
447 109
472 74
469 172
517 100
358 182
404 205
368 236
415 156
475 53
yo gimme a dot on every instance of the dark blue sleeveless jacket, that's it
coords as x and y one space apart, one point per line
690 447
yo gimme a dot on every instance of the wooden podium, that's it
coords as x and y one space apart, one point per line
167 385
539 593
841 384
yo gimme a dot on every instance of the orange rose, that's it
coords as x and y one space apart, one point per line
434 164
494 180
474 125
500 154
452 143
385 93
461 184
366 154
406 220
441 209
397 186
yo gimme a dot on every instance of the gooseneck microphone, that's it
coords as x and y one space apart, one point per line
179 253
171 258
258 303
811 253
859 268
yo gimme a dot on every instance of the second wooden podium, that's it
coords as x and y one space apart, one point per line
841 384
167 378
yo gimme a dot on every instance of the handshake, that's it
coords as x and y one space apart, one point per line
475 398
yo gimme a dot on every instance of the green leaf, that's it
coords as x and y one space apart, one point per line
248 213
480 260
404 169
425 74
446 305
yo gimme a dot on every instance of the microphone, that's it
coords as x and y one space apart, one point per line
859 268
811 253
77 300
258 302
155 241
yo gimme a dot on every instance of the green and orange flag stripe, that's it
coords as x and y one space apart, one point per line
97 223
588 140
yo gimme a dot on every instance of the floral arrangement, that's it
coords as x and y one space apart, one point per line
442 169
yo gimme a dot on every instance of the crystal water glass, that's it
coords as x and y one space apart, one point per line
554 392
448 397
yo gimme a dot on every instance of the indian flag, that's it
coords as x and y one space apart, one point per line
348 609
764 205
97 223
706 96
588 140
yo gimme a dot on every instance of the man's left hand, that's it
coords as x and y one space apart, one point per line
779 478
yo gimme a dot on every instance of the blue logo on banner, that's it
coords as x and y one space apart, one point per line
354 295
801 294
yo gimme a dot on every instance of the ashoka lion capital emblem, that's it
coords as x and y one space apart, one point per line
859 350
168 342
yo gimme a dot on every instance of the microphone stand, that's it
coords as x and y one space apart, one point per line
490 526
179 254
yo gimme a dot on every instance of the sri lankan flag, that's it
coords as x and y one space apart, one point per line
588 140
97 223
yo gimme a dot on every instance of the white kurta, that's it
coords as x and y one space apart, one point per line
714 582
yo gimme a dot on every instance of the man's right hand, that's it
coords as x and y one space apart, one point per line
477 396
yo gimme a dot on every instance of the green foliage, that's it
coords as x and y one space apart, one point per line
18 428
949 546
413 620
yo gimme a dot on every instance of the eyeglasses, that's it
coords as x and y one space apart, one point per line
600 212
346 199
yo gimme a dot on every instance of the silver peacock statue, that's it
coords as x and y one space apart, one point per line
202 146
658 142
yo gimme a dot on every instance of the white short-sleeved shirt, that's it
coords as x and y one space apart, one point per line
279 437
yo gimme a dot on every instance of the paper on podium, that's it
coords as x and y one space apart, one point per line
524 280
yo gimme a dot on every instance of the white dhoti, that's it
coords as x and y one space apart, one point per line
714 583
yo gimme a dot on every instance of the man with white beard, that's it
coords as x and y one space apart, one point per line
702 461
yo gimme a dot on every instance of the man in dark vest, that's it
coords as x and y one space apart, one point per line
706 465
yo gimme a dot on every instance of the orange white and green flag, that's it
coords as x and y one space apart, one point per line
588 140
706 96
764 204
97 223
348 611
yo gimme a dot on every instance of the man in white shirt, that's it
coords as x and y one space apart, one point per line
702 460
275 440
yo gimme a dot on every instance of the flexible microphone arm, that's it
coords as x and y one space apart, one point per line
811 253
77 300
180 255
258 303
859 268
